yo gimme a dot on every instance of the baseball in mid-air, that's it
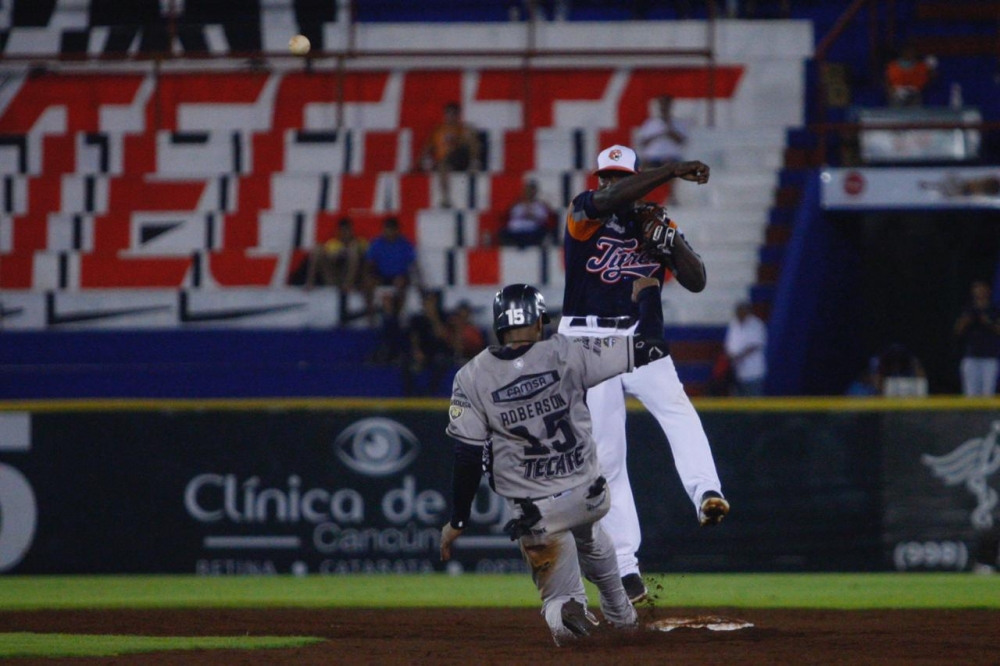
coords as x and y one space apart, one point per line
299 45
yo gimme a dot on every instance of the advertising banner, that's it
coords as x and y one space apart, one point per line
348 491
942 474
804 489
922 188
917 143
235 492
366 490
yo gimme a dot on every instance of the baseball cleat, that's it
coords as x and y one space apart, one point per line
714 508
634 588
577 618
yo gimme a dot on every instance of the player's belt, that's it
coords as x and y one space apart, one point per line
603 322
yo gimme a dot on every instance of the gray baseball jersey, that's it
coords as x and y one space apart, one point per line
527 407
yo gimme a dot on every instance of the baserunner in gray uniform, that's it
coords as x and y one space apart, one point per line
518 413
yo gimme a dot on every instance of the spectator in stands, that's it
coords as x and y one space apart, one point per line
746 345
429 346
529 221
438 342
977 330
907 77
453 146
867 383
899 372
895 362
339 261
467 339
391 348
721 380
661 137
390 267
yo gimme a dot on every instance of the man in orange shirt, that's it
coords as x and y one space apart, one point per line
907 77
453 146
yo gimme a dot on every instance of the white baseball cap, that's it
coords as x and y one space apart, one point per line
616 158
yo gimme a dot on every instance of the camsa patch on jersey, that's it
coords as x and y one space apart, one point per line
525 387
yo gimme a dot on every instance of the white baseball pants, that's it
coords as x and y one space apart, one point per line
660 390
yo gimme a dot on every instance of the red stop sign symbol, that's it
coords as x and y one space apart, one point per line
854 183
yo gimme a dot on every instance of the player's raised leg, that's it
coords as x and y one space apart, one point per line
661 392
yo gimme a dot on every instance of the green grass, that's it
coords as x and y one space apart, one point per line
834 591
838 591
77 645
841 591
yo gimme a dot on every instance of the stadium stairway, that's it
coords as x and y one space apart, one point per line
801 155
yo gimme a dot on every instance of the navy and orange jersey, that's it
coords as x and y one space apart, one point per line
603 259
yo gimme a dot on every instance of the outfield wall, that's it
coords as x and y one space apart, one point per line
344 486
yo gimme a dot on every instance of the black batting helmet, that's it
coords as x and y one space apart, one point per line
517 305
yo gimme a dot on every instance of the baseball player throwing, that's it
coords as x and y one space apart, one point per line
605 255
518 413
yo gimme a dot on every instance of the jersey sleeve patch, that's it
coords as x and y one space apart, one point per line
465 422
459 403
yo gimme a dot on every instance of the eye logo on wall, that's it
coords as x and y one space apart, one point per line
18 509
376 447
972 463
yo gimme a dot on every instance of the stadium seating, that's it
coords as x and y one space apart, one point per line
210 181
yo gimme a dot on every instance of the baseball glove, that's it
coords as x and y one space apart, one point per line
658 230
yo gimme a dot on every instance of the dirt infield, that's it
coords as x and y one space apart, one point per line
519 636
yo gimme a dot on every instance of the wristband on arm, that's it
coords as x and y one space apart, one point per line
645 351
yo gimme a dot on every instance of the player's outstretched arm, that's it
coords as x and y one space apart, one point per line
465 481
693 171
633 188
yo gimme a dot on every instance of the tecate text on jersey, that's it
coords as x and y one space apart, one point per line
562 464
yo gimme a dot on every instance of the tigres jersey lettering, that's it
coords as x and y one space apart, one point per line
603 258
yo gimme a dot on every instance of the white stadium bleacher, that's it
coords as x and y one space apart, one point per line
220 180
